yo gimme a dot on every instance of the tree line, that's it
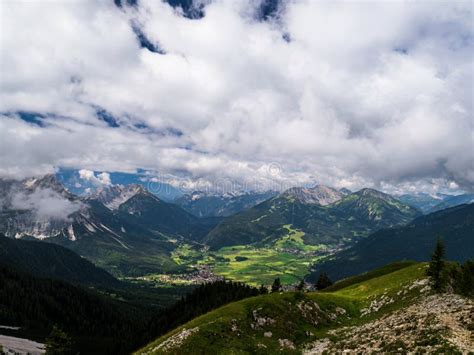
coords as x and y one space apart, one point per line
450 276
82 320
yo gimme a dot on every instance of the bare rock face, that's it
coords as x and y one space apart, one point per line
42 208
317 195
113 196
286 344
37 207
435 324
260 321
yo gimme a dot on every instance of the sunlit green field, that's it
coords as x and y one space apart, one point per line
288 258
249 264
294 240
261 265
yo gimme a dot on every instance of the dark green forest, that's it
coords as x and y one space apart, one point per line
96 322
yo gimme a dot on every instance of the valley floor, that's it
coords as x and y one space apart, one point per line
288 258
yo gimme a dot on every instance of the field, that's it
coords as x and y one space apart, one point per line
257 266
288 258
293 240
249 264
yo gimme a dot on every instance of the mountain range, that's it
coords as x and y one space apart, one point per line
428 203
202 204
132 236
131 232
56 244
414 241
323 214
452 201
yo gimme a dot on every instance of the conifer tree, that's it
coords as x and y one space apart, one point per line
58 342
300 286
466 282
276 287
437 266
323 281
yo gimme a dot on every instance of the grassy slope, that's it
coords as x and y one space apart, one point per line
369 275
293 319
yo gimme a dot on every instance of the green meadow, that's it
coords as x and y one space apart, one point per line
288 258
260 265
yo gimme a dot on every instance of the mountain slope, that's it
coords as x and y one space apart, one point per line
202 204
118 243
113 239
412 242
97 323
452 201
352 216
376 206
147 210
53 261
133 234
293 322
423 201
38 207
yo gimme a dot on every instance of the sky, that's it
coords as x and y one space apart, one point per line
259 94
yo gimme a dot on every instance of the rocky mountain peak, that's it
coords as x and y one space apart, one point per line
345 191
115 195
46 182
372 193
319 194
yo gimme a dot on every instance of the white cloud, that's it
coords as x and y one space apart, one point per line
101 179
365 93
45 204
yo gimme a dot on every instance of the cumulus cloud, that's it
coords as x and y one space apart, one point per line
101 179
343 93
45 204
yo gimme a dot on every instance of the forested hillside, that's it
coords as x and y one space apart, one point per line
455 226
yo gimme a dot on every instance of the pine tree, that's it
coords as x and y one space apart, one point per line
437 266
58 343
323 281
466 282
276 287
300 286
